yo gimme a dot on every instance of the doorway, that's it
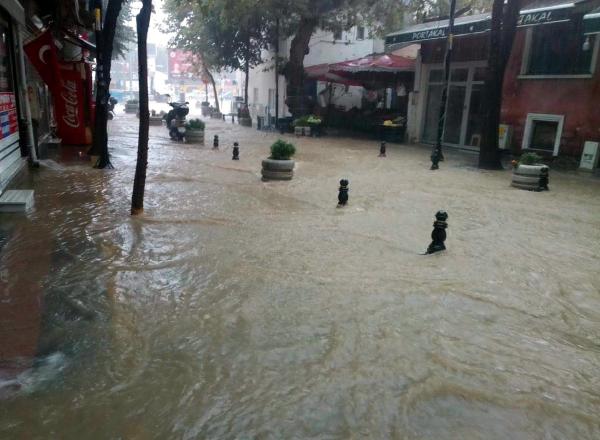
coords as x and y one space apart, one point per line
462 127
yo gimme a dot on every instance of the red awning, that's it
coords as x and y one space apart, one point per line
375 63
322 72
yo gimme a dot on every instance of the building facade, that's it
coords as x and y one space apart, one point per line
324 47
551 87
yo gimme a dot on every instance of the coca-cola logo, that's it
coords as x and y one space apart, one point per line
69 97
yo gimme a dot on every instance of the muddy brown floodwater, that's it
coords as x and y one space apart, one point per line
240 309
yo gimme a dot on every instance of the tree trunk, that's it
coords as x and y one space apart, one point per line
502 34
247 82
294 71
104 46
139 183
214 86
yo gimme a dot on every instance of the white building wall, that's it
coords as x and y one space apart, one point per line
323 49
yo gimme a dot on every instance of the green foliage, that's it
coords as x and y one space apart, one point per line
195 124
124 34
307 121
282 150
529 159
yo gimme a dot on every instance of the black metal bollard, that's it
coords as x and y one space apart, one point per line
438 235
343 193
236 151
216 142
382 150
232 118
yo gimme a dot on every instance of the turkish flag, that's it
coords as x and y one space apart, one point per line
42 53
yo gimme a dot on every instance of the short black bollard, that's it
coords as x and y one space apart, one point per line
438 235
216 142
236 151
382 150
343 194
232 118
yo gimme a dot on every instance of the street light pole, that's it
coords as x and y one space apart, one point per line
436 155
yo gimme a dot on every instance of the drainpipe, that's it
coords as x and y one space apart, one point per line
23 80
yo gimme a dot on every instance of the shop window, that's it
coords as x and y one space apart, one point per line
360 32
560 49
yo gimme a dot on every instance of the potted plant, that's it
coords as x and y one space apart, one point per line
301 126
529 173
279 166
194 131
132 106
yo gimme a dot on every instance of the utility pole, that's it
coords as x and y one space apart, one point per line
436 155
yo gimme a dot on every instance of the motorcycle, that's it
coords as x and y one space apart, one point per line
176 120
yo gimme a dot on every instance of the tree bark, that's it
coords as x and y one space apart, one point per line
104 47
247 81
139 183
214 86
502 34
294 71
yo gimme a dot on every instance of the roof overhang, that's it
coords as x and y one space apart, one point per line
15 10
591 23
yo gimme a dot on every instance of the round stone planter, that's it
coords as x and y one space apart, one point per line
246 122
531 177
194 136
277 169
132 108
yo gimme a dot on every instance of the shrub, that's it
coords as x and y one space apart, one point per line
195 124
282 150
307 121
529 159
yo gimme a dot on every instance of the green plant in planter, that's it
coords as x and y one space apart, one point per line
282 150
195 124
530 159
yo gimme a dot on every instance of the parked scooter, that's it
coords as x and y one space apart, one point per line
176 120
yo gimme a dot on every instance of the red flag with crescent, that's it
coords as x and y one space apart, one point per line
43 55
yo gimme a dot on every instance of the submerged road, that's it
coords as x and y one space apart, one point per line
240 309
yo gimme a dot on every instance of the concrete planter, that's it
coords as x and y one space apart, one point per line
156 120
194 136
302 131
531 177
216 115
246 122
132 108
277 169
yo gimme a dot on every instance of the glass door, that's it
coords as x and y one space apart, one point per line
462 127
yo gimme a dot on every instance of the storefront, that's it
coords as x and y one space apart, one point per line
551 87
10 148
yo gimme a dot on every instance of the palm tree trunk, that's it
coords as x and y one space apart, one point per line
139 183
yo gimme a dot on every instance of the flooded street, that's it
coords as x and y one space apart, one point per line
240 309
